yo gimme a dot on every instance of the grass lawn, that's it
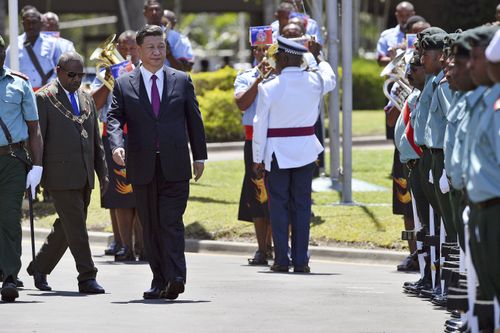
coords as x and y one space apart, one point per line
213 205
365 122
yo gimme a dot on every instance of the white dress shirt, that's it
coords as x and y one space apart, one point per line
146 76
67 95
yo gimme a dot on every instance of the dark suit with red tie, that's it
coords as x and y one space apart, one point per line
157 159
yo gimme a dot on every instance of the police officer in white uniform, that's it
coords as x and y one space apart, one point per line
284 144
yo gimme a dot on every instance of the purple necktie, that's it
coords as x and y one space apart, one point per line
155 97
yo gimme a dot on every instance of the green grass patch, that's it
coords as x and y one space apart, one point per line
213 205
364 123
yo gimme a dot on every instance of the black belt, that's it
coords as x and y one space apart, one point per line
7 150
487 203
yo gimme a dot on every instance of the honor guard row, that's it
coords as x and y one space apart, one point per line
448 135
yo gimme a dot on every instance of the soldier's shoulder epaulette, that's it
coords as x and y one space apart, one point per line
19 74
496 106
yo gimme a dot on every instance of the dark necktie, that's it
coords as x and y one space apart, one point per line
155 96
72 99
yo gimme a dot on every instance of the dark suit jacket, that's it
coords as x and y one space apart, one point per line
179 120
69 160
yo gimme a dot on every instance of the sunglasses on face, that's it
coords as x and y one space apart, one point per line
73 74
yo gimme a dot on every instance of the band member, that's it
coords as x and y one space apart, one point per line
119 198
284 144
72 151
253 200
161 111
38 53
18 123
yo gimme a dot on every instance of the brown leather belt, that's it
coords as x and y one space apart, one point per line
6 150
488 203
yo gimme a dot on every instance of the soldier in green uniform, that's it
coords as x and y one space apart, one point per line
18 123
483 171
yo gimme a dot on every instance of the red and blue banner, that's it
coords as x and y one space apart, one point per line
262 35
121 68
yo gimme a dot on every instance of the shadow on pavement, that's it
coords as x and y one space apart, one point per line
112 262
60 293
161 301
20 302
301 274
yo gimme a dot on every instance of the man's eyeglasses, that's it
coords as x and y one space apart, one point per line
73 74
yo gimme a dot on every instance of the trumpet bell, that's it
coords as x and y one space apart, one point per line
389 68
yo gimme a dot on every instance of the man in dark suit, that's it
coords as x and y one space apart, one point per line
72 151
161 111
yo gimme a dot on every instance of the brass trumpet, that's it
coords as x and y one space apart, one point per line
106 55
269 59
395 73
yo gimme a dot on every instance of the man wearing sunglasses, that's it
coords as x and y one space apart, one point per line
72 151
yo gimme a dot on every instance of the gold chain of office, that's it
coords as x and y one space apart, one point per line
78 120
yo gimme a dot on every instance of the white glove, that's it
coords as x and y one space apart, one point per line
444 185
33 179
465 215
431 178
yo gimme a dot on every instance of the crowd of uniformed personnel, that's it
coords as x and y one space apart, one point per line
49 78
447 135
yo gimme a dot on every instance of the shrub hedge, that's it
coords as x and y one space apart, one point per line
222 117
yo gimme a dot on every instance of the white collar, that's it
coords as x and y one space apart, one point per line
67 92
291 69
146 75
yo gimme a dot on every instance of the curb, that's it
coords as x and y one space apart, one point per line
356 142
240 248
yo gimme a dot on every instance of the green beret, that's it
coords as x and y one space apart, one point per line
460 46
429 31
433 42
481 36
2 43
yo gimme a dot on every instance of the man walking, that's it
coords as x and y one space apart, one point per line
161 111
72 151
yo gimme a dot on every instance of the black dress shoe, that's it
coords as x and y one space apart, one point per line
90 287
125 254
19 283
9 292
40 281
112 249
302 269
279 268
175 288
259 259
408 265
154 293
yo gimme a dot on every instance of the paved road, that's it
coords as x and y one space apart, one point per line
224 295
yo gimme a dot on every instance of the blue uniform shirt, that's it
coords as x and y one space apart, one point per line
389 38
423 110
177 46
454 116
465 131
96 84
17 105
483 181
436 120
406 151
47 50
243 81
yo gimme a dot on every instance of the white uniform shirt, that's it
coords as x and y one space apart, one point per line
289 100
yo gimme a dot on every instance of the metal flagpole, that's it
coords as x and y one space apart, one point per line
333 105
13 35
347 101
